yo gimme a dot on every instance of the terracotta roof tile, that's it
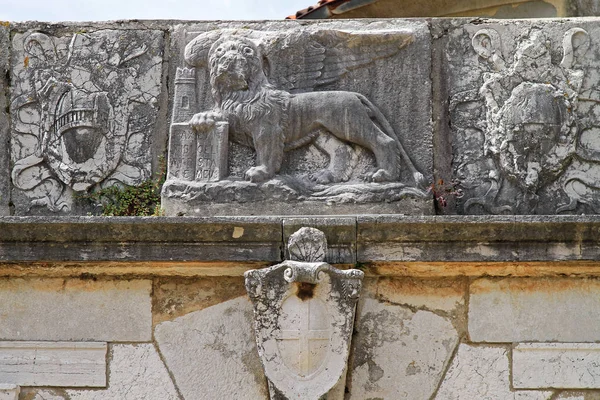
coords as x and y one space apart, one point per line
323 9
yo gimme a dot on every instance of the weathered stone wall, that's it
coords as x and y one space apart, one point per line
467 103
494 117
155 308
415 338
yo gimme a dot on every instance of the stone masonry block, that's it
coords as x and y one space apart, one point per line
9 391
480 372
135 372
556 365
534 309
73 309
398 353
76 364
212 353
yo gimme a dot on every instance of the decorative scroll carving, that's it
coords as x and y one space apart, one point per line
304 313
83 111
531 128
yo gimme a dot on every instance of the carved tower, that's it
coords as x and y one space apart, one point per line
184 103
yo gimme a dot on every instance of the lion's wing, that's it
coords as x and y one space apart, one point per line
313 59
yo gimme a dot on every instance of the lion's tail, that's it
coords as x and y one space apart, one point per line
380 120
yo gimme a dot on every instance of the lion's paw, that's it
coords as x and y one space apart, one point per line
204 121
324 177
381 175
257 174
420 181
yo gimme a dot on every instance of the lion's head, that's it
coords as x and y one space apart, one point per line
236 69
238 74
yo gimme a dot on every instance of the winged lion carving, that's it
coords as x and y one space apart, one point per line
272 110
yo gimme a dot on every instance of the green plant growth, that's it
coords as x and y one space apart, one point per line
140 200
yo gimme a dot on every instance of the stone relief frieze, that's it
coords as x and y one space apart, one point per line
275 132
303 318
518 135
83 111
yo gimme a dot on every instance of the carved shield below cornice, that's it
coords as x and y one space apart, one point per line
304 314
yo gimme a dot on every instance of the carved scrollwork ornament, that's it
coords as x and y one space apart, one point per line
530 130
488 45
86 104
312 273
576 42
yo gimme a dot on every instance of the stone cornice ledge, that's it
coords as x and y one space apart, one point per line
383 245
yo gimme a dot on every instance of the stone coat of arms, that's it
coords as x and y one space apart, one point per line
84 110
304 314
531 116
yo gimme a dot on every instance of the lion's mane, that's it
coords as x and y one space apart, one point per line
260 102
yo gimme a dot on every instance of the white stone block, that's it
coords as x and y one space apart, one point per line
573 396
556 365
534 309
136 372
9 391
397 353
479 372
74 309
53 364
212 353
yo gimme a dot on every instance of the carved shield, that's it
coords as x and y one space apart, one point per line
305 334
80 142
304 313
536 123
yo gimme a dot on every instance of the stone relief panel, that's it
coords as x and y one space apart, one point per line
83 106
4 118
525 117
311 120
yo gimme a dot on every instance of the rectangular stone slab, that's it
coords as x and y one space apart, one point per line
74 309
477 238
522 135
343 124
534 309
556 365
75 364
141 238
